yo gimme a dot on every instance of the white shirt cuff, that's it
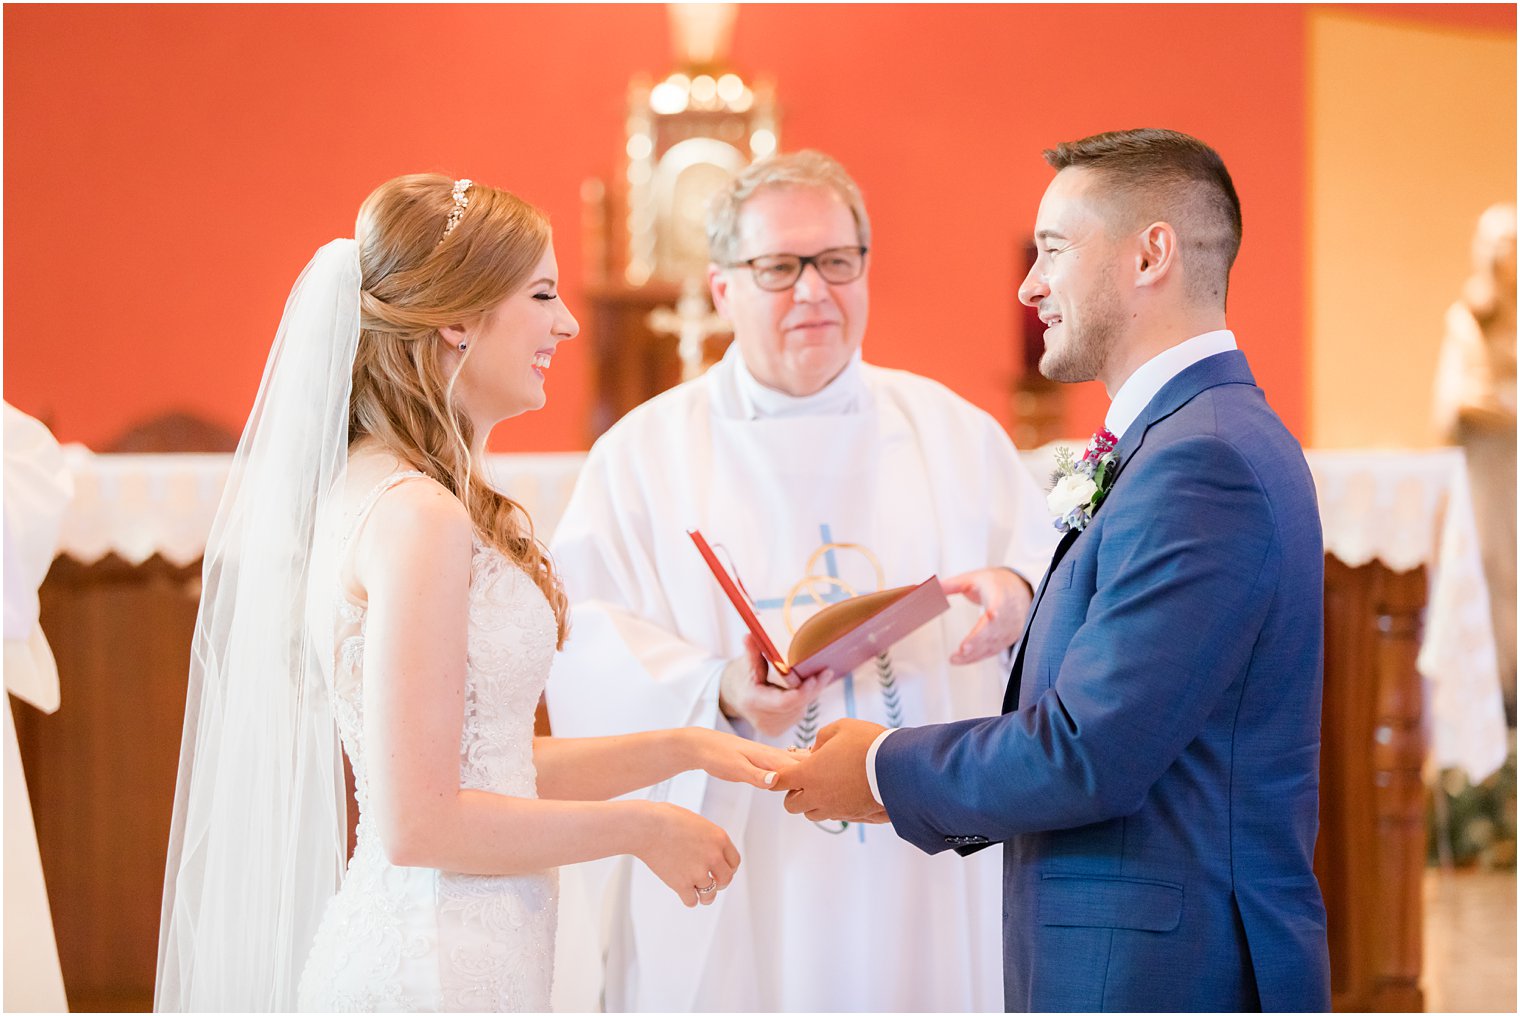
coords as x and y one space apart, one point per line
871 765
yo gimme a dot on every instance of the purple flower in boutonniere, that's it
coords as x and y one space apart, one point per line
1080 485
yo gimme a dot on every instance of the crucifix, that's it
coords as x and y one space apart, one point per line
691 322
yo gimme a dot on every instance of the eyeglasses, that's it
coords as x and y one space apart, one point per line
777 272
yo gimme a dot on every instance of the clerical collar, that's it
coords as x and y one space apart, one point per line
1152 375
840 397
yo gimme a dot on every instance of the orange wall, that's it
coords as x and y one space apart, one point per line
1411 135
169 169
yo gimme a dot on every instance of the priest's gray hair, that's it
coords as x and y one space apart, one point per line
807 168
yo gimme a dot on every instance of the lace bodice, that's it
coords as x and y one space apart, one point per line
399 938
510 647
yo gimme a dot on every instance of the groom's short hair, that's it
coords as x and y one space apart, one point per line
1152 174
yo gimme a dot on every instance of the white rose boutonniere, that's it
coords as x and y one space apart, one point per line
1080 485
1073 491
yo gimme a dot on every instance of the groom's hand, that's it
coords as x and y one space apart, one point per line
830 782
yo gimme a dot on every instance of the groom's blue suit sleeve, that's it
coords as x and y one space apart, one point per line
1189 556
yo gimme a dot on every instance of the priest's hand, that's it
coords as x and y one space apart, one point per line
1004 597
830 782
745 692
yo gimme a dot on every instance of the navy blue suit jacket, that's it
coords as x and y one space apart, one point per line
1154 777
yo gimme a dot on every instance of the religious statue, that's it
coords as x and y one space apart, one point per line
1475 408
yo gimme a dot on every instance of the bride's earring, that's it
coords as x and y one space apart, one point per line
460 347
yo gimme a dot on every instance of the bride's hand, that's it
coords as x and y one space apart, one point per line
686 851
737 759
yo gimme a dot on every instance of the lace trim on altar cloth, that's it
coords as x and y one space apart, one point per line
140 505
1391 506
136 506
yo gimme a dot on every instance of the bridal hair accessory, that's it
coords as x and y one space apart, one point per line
1080 485
461 202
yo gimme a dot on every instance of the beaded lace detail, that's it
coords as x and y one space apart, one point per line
412 939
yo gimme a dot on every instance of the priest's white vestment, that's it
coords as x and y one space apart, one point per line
881 479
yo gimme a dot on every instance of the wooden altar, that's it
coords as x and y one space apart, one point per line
101 771
1371 848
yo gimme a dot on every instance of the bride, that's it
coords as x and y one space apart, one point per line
362 579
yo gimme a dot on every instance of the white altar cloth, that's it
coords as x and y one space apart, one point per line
1403 508
135 506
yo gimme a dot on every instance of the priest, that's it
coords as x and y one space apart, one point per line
816 476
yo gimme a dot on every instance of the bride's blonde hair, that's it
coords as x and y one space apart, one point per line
413 285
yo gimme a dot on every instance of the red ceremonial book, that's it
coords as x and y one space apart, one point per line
843 635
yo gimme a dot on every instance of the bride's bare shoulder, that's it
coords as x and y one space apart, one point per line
421 509
416 542
407 498
414 519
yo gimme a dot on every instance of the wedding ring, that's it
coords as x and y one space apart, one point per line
709 888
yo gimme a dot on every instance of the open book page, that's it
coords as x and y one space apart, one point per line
838 618
891 615
843 635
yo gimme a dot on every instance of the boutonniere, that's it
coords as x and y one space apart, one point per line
1080 485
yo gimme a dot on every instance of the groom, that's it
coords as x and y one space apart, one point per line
1154 775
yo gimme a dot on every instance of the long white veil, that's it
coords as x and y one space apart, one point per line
258 839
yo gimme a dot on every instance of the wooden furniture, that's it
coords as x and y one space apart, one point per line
633 363
1036 404
1371 850
101 770
1037 411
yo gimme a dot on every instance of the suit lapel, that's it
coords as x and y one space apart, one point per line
1222 368
1015 676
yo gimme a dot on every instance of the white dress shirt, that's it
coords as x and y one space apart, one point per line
1152 375
1132 397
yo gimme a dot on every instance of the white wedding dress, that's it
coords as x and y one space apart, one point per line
419 939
